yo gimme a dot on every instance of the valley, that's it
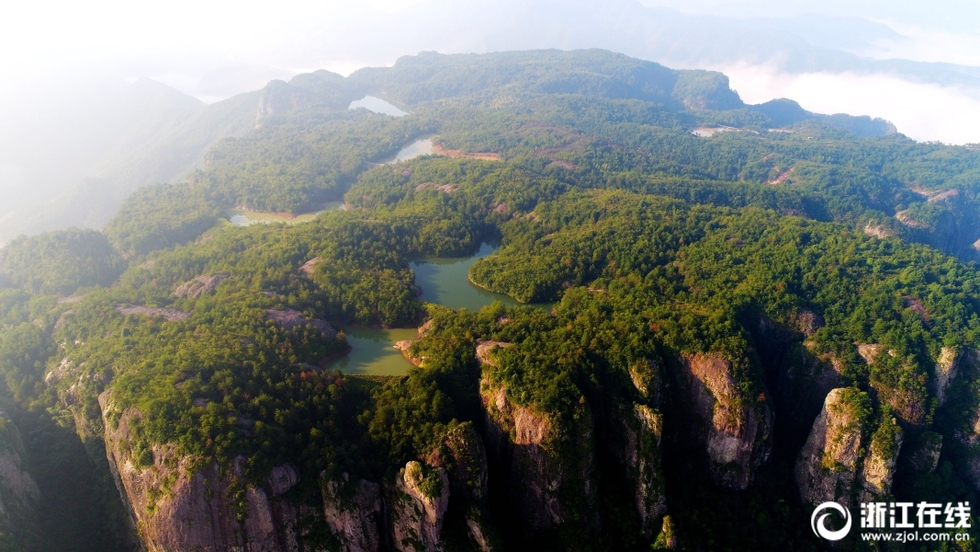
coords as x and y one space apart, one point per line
612 334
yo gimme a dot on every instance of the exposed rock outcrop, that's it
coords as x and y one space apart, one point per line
878 468
485 349
642 458
735 429
19 494
945 372
205 283
184 503
290 319
878 231
353 512
640 452
909 404
418 506
833 465
171 315
829 461
309 266
550 470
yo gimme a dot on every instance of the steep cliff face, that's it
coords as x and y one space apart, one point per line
418 507
945 373
19 494
734 428
182 503
829 461
353 512
878 470
642 458
641 454
832 466
550 469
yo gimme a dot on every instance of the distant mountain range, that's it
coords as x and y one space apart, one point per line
73 147
71 161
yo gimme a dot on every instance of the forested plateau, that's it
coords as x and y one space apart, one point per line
739 325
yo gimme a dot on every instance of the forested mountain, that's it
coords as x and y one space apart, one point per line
780 310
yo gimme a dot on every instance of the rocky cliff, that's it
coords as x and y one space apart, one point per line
833 463
19 493
419 505
180 503
549 461
354 513
734 428
184 503
641 452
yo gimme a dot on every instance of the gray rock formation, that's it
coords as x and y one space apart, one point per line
19 494
833 465
735 429
353 512
205 283
418 504
546 488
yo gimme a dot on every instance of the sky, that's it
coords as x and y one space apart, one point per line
213 49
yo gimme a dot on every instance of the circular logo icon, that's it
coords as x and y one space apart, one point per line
818 521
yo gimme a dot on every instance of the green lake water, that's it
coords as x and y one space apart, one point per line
443 281
372 351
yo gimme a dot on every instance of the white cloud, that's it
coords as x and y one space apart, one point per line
924 112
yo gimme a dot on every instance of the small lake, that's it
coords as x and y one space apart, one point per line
444 281
377 105
411 151
372 352
241 217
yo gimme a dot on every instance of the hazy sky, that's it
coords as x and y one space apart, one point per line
212 49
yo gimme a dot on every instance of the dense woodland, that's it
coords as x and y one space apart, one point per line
652 242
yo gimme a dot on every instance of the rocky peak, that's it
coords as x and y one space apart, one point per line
289 319
832 464
551 471
186 503
419 503
945 372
